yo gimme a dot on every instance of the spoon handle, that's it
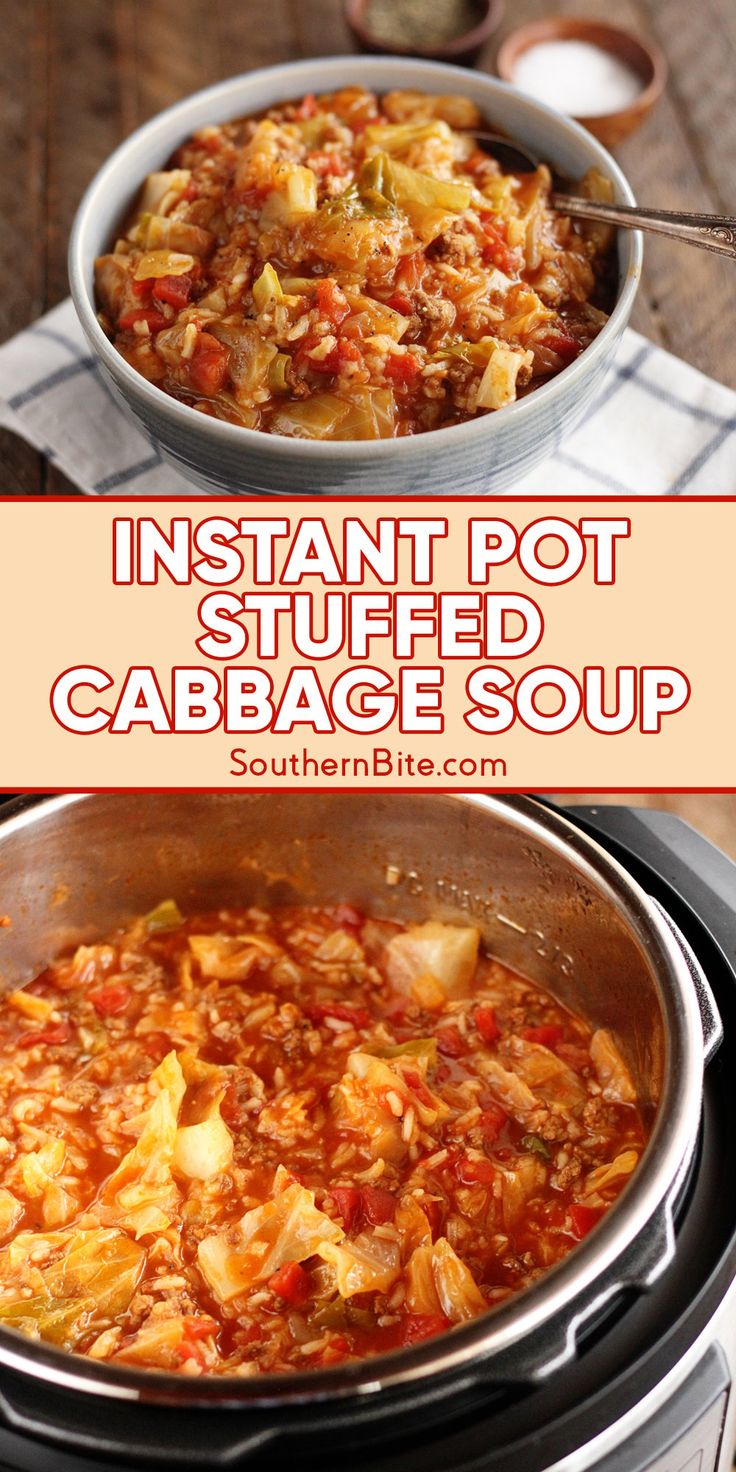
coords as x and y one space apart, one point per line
710 232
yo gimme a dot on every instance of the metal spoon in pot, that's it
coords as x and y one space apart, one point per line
710 232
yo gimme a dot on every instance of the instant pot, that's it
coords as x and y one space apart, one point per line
621 1359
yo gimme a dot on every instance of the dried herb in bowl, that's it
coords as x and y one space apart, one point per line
419 24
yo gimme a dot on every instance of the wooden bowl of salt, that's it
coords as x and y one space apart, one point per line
604 77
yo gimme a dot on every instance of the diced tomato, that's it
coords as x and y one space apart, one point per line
156 1045
548 1036
344 351
326 165
349 1205
208 367
401 303
291 1283
491 1123
346 917
451 1042
485 1021
343 1011
583 1219
417 1327
563 344
307 108
53 1035
199 1328
379 1205
110 1001
332 301
153 319
191 192
402 368
141 289
434 1212
349 352
497 251
473 1172
418 1088
176 290
477 161
337 1350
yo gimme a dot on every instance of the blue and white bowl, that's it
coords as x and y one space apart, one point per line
486 455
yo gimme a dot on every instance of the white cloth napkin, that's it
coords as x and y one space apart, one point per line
658 428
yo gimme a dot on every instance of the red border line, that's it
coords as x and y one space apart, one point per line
419 791
315 501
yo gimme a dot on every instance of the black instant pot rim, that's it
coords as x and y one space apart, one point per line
554 1435
461 1351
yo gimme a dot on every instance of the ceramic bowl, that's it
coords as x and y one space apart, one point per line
485 455
644 58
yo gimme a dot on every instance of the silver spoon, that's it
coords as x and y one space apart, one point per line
710 232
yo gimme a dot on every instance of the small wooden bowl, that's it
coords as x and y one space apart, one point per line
644 57
464 50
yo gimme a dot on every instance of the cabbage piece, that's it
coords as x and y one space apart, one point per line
225 957
287 1229
413 1226
91 1283
510 1090
526 312
250 356
403 1077
371 415
396 139
114 285
155 232
548 1076
36 1009
316 418
376 317
163 190
267 290
141 1195
407 106
449 953
429 204
412 1048
160 1342
366 1264
610 1069
498 385
205 1149
603 1176
439 1283
166 916
258 160
294 195
356 238
519 1184
594 185
156 263
356 1107
11 1211
34 1172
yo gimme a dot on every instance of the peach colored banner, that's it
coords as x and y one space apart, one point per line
472 644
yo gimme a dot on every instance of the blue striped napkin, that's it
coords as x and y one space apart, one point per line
658 428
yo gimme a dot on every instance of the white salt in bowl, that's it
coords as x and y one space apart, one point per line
487 455
641 60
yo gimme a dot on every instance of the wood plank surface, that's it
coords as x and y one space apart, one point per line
77 75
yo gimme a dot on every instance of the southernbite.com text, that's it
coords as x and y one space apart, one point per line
381 763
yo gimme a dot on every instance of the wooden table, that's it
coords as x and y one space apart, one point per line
77 75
